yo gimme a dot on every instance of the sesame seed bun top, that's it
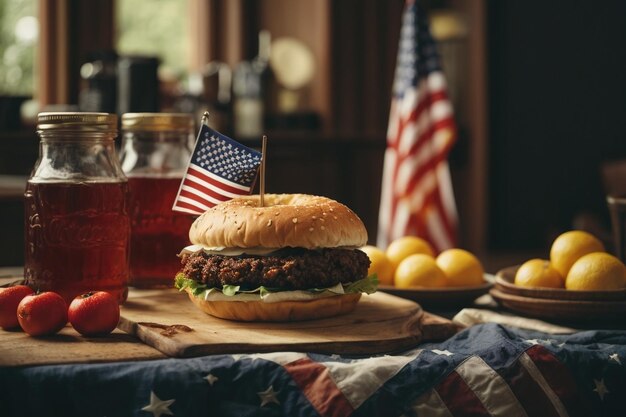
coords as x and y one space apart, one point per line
286 220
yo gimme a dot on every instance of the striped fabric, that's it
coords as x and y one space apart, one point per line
486 370
417 197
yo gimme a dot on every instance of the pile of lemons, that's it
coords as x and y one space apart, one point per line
578 261
410 262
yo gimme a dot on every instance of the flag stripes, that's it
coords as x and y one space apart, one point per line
560 381
317 385
459 397
417 197
536 383
528 384
220 169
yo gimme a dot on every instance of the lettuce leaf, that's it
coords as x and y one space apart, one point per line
367 285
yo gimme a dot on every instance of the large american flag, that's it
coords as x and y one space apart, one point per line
486 370
220 169
417 197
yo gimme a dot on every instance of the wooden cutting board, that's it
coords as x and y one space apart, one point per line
381 323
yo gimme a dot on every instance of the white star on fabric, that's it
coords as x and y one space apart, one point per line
158 407
334 356
532 341
442 352
615 357
600 388
211 379
268 396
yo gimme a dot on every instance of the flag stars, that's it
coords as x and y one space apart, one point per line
268 396
600 388
211 379
442 352
532 341
615 357
158 407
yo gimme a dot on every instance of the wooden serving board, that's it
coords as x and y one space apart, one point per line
381 323
19 349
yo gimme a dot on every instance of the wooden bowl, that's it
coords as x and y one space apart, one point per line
559 304
506 277
563 310
440 298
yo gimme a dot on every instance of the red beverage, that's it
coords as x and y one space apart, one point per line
77 237
157 233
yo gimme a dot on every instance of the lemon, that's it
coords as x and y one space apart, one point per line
538 273
596 271
402 247
419 270
380 265
569 247
462 268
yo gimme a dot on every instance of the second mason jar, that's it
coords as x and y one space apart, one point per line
156 148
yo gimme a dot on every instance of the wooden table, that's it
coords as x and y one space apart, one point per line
125 377
381 323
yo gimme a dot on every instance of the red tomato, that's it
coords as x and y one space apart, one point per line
9 300
42 314
94 313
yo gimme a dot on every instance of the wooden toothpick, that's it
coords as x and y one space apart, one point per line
262 185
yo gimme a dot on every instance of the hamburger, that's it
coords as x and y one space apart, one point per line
295 258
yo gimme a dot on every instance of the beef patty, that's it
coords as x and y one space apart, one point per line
289 269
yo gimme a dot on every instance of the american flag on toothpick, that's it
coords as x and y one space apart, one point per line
417 197
220 169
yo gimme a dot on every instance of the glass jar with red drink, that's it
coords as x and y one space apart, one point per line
77 224
156 148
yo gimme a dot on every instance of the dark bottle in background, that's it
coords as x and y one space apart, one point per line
100 76
137 84
254 92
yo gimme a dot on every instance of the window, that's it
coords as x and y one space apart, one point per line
19 30
155 28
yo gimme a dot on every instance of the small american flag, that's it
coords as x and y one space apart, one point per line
417 197
220 169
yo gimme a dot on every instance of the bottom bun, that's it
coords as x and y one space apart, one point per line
279 311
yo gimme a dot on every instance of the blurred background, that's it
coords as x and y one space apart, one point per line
538 89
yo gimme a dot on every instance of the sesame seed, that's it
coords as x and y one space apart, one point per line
310 229
335 217
269 222
295 220
314 217
324 214
331 209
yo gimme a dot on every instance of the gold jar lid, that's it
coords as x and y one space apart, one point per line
157 122
77 121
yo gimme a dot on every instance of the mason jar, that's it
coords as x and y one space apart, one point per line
77 224
156 148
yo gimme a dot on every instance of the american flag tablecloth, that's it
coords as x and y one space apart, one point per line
487 370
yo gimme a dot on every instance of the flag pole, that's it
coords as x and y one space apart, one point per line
262 185
205 118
